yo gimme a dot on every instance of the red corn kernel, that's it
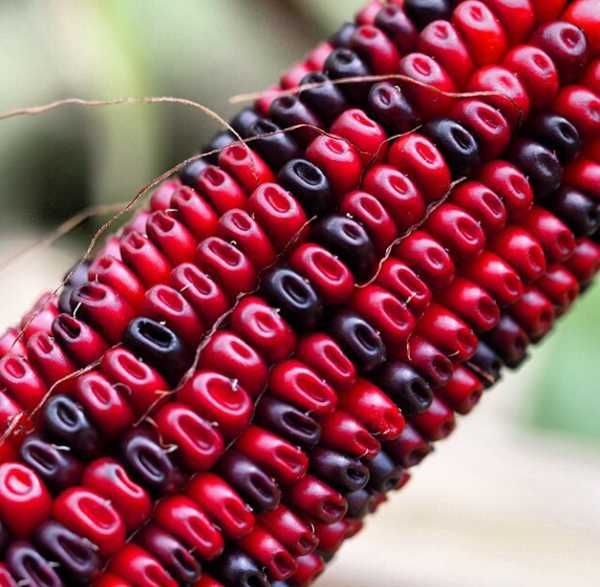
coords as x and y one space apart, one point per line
229 266
137 223
363 132
41 317
584 174
222 504
518 248
331 536
109 479
267 551
165 304
482 204
447 332
330 277
245 165
369 13
437 422
21 381
496 276
517 18
372 407
195 212
321 353
463 391
103 402
547 9
162 195
180 516
278 212
80 341
315 60
481 30
385 312
50 360
510 185
507 93
199 444
10 410
293 76
24 500
432 84
584 14
441 40
343 432
487 124
534 312
409 449
317 501
310 567
421 160
91 516
206 581
223 192
427 258
235 359
555 237
405 284
293 381
6 579
397 194
116 275
240 228
137 567
172 237
434 365
339 160
369 211
142 384
376 49
201 291
585 261
289 530
263 104
591 79
560 286
472 303
144 258
218 399
11 342
263 328
582 107
456 230
510 341
279 458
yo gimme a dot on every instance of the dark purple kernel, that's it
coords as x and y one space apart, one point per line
486 364
338 470
343 64
389 106
385 473
539 164
323 98
309 184
394 22
343 36
576 209
236 568
405 387
509 340
29 567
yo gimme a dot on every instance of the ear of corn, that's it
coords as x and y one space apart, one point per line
255 361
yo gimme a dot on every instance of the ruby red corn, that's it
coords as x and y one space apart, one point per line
258 359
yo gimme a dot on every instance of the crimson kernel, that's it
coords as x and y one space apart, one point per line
267 551
534 312
339 160
441 40
581 107
145 259
522 251
463 391
405 284
367 136
421 160
10 341
136 567
481 30
172 237
115 274
24 500
555 237
79 339
21 381
317 501
376 49
195 212
517 18
560 286
246 166
262 327
435 423
510 185
293 76
428 93
584 263
315 60
585 15
537 73
397 193
369 13
482 204
93 517
507 93
547 9
221 189
109 479
50 360
278 212
241 228
487 124
584 175
290 530
218 399
331 278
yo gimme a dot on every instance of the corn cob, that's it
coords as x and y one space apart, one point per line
293 322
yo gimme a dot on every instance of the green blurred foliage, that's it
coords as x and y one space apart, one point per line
206 50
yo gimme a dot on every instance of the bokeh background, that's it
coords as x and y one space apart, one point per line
514 497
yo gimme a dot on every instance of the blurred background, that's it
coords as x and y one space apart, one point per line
514 497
